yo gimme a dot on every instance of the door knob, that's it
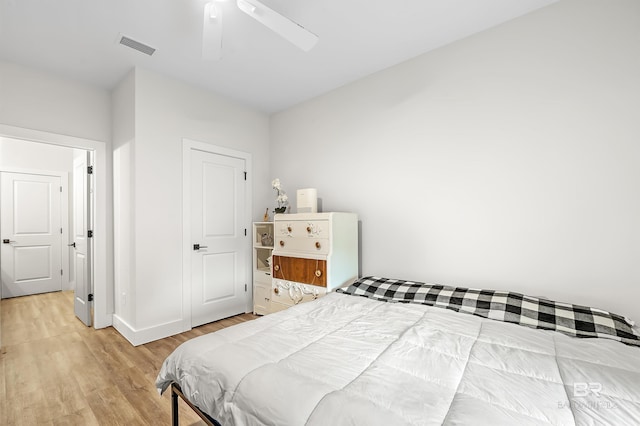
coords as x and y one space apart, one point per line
198 247
73 244
7 241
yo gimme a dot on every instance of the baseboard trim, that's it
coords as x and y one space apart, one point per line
149 334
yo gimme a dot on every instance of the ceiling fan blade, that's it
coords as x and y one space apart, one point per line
212 32
285 27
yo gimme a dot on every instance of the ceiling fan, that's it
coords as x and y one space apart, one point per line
281 25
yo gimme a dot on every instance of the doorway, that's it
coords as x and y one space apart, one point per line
102 203
44 225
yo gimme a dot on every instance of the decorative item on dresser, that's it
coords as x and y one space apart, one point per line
307 200
262 248
282 199
314 253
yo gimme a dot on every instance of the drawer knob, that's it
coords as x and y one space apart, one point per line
289 228
308 229
281 243
276 290
318 273
276 268
317 244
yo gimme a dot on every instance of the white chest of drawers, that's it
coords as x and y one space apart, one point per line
314 253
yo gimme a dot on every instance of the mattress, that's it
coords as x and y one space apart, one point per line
349 360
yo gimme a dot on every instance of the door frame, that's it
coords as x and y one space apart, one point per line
187 146
64 214
103 219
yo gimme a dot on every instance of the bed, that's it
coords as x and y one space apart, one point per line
394 352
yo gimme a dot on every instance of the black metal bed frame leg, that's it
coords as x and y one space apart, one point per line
177 392
174 407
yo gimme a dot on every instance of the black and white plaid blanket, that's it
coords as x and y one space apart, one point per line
574 320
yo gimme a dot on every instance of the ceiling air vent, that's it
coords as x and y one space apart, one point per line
136 45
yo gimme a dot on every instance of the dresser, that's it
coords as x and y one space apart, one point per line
313 253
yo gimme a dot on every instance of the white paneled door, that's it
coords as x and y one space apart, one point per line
81 246
218 237
31 234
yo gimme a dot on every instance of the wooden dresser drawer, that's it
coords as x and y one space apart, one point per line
289 293
302 245
303 229
307 271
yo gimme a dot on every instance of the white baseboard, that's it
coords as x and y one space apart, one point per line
146 335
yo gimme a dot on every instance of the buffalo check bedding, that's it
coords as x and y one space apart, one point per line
574 320
345 360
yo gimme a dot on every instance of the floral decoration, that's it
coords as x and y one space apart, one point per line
282 199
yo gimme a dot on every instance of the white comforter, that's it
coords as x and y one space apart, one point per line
347 360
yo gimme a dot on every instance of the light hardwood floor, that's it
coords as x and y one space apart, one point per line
56 371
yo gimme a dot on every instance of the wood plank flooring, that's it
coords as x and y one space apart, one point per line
56 371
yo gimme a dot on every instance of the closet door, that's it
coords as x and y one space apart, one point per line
218 237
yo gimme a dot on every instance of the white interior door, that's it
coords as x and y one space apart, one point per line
81 246
31 257
218 237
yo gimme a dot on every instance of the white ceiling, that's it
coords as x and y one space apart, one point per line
78 39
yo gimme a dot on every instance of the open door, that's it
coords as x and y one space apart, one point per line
81 245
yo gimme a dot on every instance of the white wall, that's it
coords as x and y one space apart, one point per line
19 154
36 100
166 112
507 160
123 115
